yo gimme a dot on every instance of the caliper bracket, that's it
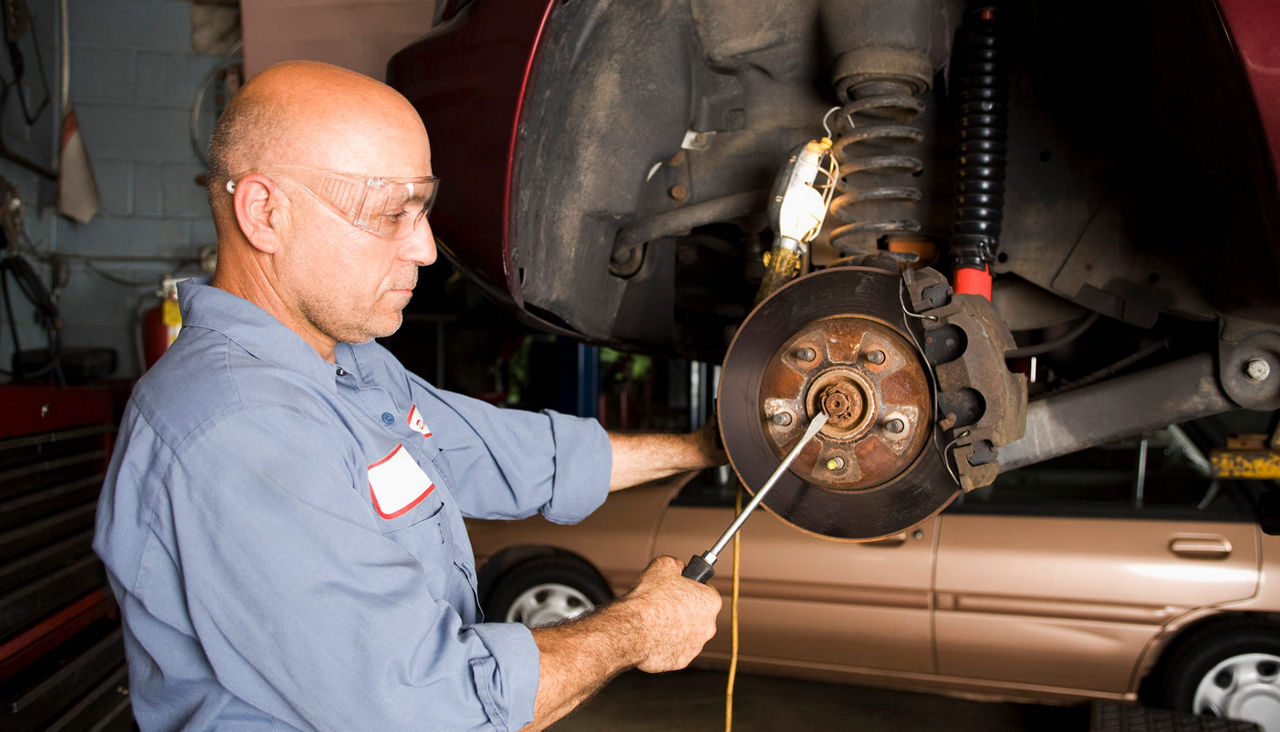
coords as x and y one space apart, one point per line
982 405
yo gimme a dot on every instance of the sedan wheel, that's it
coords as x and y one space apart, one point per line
1229 670
1245 687
547 604
545 591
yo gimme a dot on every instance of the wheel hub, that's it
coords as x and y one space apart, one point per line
848 399
868 380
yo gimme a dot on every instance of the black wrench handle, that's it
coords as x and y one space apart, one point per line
699 569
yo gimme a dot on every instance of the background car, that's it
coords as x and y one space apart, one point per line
1120 572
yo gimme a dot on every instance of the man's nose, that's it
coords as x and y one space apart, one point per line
420 246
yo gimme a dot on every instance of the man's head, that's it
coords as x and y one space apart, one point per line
315 154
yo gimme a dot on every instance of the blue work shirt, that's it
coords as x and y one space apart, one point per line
284 534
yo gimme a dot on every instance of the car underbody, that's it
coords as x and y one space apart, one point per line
612 173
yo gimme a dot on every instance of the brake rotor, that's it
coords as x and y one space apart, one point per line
835 341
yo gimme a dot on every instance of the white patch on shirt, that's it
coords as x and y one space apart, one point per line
397 484
417 423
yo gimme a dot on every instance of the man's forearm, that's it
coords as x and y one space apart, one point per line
578 658
660 625
640 458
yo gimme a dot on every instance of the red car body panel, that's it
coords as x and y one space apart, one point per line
467 79
1253 26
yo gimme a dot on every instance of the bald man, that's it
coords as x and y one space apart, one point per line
282 518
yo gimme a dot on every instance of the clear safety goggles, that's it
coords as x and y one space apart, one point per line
388 207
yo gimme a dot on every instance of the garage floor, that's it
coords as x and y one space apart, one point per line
694 700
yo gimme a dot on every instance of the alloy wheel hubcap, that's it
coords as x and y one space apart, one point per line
546 604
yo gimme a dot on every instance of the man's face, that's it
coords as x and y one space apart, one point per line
348 283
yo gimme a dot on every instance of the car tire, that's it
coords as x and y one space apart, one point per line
546 591
1231 672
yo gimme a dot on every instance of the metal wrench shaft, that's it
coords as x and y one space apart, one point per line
702 566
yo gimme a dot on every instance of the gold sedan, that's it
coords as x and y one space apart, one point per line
1120 573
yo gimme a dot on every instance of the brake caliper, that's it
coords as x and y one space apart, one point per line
982 405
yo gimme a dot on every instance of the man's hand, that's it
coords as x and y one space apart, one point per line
676 616
660 625
709 443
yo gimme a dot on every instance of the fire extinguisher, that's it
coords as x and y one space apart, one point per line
160 324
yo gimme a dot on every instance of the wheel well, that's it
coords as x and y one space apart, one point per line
513 556
1149 688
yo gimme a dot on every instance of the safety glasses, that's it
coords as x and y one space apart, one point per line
388 207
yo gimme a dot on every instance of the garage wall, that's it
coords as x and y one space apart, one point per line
134 75
136 66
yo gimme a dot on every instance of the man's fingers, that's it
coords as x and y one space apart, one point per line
677 616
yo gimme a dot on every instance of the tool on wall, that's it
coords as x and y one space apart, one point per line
16 268
77 190
17 25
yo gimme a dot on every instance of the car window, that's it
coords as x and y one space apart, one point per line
1161 474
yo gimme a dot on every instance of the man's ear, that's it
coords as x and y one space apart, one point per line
259 207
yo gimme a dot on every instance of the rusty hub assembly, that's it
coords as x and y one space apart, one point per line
837 341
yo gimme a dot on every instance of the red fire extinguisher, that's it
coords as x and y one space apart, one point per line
160 324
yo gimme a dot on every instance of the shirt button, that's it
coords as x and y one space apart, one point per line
387 418
341 372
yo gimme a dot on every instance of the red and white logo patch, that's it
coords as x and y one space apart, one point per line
397 484
417 423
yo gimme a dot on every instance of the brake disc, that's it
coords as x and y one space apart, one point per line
838 340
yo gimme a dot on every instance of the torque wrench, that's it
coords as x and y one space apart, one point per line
702 566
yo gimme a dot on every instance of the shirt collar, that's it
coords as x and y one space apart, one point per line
253 329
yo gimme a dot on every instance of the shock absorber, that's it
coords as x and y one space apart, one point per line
980 88
882 73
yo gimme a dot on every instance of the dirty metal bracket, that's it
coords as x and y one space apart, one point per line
982 405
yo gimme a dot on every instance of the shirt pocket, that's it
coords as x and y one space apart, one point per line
424 533
411 511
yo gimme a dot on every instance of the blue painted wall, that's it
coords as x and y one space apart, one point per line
134 77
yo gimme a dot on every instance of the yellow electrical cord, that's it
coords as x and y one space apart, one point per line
733 617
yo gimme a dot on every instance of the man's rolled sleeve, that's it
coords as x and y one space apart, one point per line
506 680
581 480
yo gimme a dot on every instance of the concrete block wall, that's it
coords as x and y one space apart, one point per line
134 77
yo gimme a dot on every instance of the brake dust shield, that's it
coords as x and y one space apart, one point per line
836 340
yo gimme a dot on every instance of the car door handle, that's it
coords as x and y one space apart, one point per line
1200 547
895 540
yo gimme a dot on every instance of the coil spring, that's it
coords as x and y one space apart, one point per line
875 192
982 94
